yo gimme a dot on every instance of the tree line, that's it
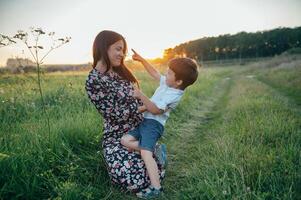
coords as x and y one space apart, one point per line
240 45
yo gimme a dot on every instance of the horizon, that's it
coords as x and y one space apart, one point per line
148 31
150 59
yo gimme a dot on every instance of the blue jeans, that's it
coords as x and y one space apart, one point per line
148 133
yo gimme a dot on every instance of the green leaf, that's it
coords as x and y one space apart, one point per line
3 156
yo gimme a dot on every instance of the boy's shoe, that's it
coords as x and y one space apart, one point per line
149 193
160 153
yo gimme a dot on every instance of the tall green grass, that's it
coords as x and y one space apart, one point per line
250 150
231 137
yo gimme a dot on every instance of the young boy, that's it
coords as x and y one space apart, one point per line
181 73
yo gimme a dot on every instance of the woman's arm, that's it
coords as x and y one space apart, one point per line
149 68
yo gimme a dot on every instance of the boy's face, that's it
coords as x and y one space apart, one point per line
171 79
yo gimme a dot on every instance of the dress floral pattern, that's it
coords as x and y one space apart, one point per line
112 97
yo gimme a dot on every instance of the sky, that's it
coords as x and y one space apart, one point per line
148 26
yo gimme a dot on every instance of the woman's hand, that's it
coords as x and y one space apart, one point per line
136 56
137 93
142 108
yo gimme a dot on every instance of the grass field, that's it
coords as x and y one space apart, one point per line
235 135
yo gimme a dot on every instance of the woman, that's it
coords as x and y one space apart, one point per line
110 87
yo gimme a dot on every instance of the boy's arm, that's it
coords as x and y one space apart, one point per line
149 68
149 105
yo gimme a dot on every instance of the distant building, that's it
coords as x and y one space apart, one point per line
17 62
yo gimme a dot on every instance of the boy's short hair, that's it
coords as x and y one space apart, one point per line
185 69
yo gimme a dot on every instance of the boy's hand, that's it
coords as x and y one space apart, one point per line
136 56
149 68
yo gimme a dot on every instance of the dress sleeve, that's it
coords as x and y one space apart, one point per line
98 92
125 105
112 102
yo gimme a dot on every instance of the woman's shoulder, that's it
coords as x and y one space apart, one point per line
94 74
106 79
94 78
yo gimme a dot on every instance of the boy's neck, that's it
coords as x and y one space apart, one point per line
176 87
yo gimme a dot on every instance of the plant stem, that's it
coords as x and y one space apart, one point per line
42 98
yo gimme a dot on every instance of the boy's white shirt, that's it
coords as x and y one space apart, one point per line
166 98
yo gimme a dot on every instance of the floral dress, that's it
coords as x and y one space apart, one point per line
112 97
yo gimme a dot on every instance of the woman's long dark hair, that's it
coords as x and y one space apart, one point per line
101 44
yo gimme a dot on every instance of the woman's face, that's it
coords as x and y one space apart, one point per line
115 53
